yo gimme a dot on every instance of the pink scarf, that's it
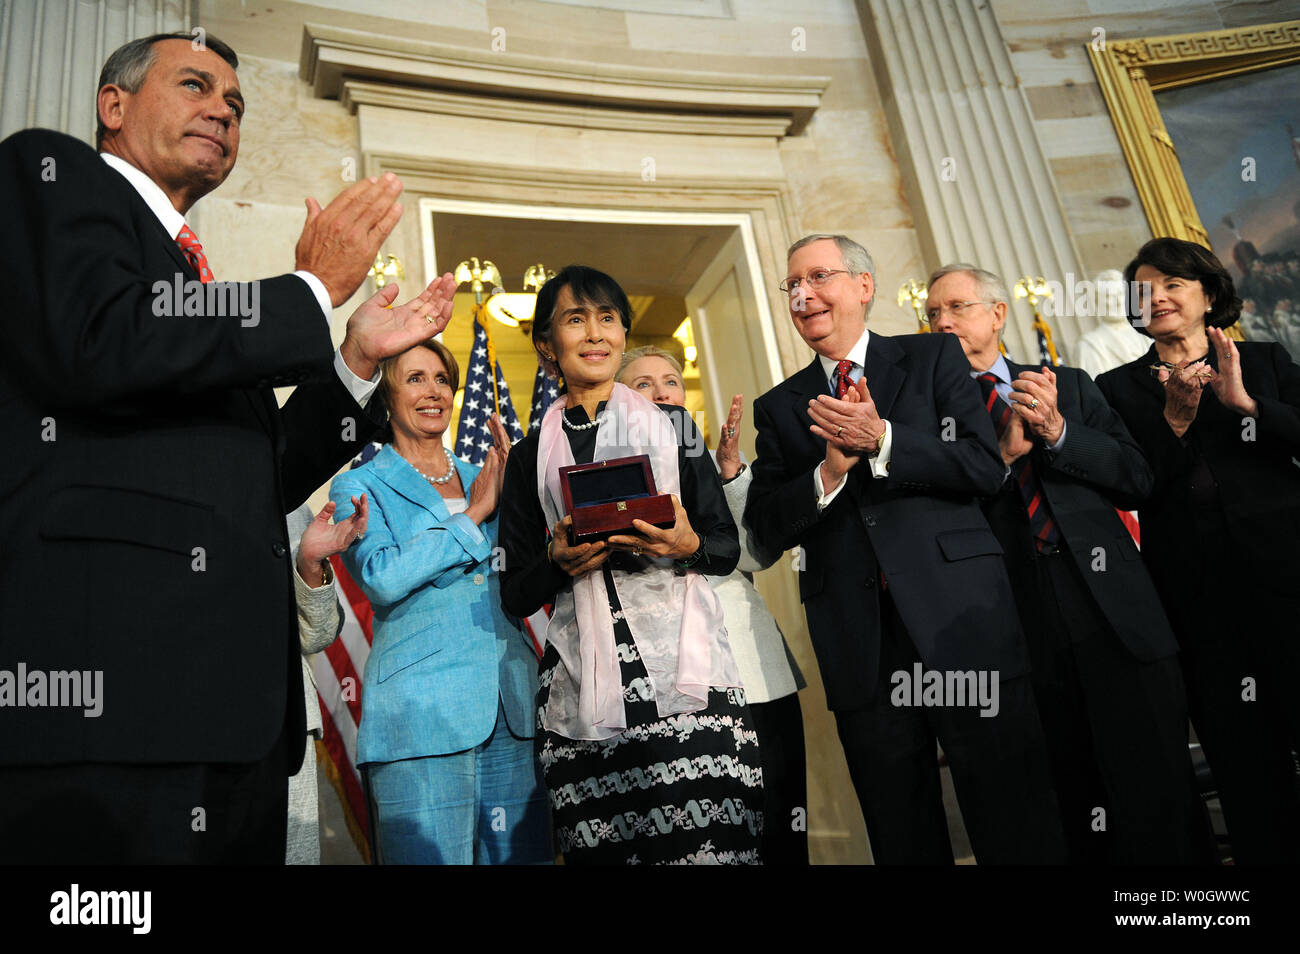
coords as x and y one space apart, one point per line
675 620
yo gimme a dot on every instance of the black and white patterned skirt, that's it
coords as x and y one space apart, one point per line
687 789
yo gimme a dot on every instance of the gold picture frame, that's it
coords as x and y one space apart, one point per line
1130 73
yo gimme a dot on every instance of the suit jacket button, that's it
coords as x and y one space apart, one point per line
871 581
478 579
869 520
279 549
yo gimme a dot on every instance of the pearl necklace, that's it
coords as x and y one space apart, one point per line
451 469
578 427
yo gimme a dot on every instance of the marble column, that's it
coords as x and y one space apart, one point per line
980 187
51 52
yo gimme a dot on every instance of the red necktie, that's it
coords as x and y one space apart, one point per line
1041 524
193 253
842 380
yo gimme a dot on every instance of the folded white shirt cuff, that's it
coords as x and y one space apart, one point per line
879 468
361 388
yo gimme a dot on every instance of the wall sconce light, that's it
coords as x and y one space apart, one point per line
913 293
515 309
381 273
686 335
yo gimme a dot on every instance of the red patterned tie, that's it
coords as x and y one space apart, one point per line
193 253
842 380
1041 524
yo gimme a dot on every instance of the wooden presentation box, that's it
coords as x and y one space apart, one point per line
605 496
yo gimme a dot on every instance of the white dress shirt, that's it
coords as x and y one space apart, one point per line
172 221
880 462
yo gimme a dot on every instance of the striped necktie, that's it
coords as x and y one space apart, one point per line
193 253
1041 525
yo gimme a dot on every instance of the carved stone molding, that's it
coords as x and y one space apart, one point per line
357 93
332 57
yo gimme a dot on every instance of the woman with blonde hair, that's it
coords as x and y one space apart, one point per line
768 671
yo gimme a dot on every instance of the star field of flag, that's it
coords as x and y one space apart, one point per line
1044 353
473 437
545 390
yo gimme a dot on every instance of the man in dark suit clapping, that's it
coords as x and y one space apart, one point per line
146 471
870 460
1105 667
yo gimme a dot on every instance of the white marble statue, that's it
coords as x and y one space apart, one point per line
1113 342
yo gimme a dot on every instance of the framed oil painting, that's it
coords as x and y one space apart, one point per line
1210 125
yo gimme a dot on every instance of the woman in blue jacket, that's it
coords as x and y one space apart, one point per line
447 698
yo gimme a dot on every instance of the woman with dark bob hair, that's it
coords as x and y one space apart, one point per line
644 738
1219 421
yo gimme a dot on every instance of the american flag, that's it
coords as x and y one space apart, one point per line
473 437
545 390
1044 352
338 671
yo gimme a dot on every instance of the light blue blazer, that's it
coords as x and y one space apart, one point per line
444 650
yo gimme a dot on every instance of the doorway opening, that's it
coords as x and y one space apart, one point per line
673 266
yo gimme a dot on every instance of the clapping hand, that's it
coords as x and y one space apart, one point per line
1034 399
1014 443
377 331
339 243
839 458
323 539
851 423
728 452
485 492
1228 385
1183 386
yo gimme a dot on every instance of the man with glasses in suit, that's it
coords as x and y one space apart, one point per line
1105 665
870 461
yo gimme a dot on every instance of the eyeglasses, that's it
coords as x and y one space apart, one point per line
954 308
815 279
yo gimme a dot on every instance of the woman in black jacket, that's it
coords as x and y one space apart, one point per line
645 740
1220 423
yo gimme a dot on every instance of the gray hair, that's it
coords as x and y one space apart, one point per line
990 285
130 63
856 258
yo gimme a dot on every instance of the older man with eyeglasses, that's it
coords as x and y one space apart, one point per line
1105 666
870 461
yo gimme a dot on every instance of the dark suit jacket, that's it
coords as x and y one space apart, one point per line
921 524
1098 468
145 477
1258 481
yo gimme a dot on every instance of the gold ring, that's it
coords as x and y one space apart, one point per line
1033 405
840 431
429 318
